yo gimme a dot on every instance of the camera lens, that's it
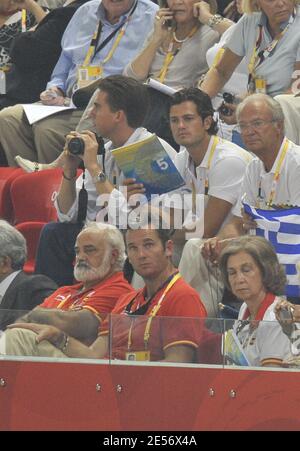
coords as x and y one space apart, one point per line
224 110
76 146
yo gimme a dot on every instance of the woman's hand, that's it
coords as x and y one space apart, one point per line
201 10
162 24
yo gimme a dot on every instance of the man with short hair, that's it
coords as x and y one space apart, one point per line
78 309
271 181
18 291
161 322
213 168
102 37
118 113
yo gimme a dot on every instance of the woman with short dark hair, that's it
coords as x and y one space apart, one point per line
251 270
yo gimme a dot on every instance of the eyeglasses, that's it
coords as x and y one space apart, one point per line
256 125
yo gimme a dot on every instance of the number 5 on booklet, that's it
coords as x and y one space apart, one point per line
148 162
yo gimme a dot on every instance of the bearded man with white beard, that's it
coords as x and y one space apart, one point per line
78 309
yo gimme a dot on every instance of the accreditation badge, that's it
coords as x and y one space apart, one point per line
2 82
138 356
260 85
87 74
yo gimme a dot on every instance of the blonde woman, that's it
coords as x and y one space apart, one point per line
175 54
268 36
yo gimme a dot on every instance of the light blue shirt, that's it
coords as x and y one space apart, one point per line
278 68
78 34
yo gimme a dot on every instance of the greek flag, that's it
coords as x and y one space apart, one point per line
282 229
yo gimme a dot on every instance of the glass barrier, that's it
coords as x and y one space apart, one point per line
144 340
251 343
160 339
21 341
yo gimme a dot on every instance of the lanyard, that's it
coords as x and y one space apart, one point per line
153 312
206 183
171 55
23 20
257 56
283 153
92 51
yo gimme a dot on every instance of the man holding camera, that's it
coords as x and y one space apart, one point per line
118 113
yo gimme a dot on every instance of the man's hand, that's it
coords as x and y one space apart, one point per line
132 188
91 145
231 118
43 331
212 248
248 222
52 96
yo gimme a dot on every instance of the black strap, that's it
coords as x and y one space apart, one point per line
143 309
82 202
83 195
109 38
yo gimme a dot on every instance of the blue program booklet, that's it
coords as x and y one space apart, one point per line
148 162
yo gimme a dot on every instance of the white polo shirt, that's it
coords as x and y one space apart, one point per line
264 339
225 173
287 189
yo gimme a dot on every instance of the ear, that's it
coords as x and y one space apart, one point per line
5 265
114 256
279 126
207 122
120 116
169 248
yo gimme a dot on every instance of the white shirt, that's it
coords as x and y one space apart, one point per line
225 173
267 341
288 186
4 285
114 175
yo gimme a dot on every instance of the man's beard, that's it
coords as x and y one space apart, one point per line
83 272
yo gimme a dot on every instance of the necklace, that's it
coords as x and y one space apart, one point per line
180 41
190 34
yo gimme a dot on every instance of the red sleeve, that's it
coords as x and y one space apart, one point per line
185 317
104 300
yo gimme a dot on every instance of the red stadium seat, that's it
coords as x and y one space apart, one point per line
32 198
7 176
33 195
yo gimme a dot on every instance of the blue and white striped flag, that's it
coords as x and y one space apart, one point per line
282 229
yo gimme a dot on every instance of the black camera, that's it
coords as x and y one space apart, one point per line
76 146
228 98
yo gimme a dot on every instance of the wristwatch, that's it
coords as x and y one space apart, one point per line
100 177
214 20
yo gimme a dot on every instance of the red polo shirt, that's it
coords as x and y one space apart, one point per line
100 299
178 321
